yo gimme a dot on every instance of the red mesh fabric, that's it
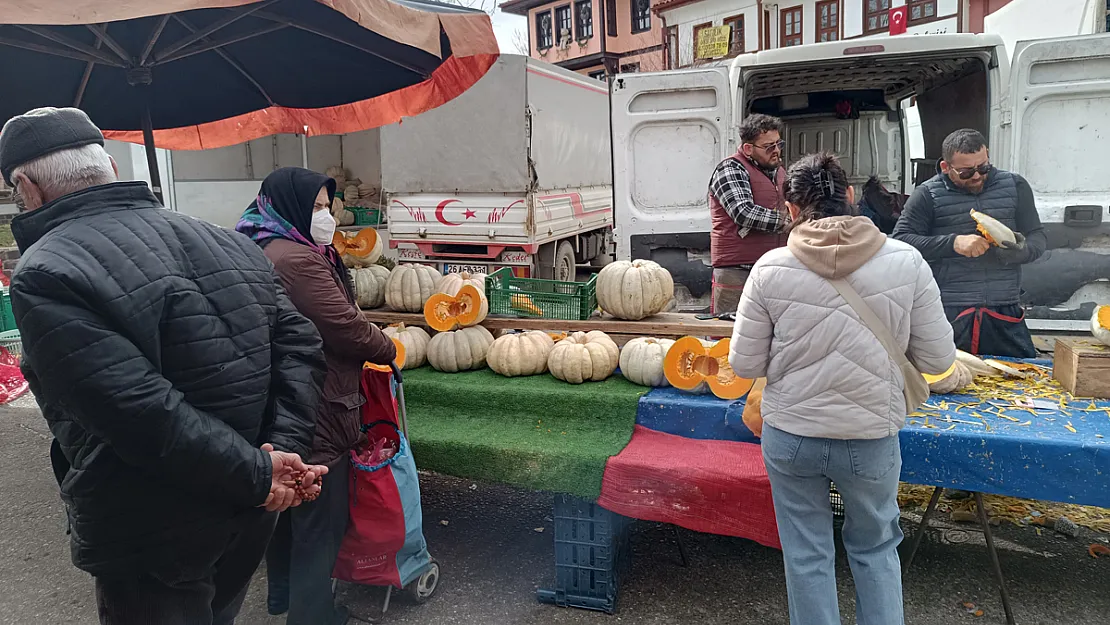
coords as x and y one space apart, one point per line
717 487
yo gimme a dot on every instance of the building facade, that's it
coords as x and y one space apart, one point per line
593 37
754 25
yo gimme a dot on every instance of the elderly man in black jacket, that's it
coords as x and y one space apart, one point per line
980 284
178 380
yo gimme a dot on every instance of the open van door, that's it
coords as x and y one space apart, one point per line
670 130
1059 140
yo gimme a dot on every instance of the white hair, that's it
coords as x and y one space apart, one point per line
68 171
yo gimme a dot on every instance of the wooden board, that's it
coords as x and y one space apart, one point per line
667 325
1082 366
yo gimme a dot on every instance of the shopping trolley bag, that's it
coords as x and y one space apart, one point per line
384 544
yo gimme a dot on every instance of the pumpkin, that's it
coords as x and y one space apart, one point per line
350 194
993 230
955 379
398 360
459 350
523 304
753 408
695 365
557 336
444 312
452 282
584 357
409 287
1100 324
361 249
415 341
634 290
642 361
370 286
523 353
342 216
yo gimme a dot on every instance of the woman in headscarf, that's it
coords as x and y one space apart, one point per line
291 221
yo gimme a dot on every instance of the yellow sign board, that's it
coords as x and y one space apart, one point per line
713 42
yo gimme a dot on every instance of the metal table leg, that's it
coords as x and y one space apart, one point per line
993 554
921 527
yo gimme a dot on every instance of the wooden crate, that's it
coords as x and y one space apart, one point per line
1083 367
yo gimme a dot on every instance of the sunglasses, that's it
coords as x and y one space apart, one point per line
777 146
967 172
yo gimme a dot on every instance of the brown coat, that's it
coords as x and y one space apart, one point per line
315 289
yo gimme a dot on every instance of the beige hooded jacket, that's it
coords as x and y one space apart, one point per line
827 374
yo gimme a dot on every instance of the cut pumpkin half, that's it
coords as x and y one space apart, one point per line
994 231
444 312
398 360
691 365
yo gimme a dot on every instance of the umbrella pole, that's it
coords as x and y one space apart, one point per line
151 154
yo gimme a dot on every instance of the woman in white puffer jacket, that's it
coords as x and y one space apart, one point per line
833 404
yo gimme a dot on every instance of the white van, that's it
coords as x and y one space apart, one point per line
1047 118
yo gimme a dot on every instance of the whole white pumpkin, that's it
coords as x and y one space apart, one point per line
370 286
522 353
409 286
584 357
415 340
642 361
1100 324
634 290
459 350
452 282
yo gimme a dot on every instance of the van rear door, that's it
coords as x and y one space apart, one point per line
1058 117
670 130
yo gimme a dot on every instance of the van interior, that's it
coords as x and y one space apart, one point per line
884 116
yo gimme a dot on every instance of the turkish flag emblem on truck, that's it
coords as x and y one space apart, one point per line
898 20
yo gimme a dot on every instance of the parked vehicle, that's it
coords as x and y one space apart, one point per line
1046 117
514 172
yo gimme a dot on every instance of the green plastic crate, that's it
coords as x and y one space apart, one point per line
547 299
366 216
12 342
7 317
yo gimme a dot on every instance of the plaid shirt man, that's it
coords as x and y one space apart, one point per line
733 189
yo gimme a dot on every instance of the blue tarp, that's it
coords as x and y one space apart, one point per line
1040 460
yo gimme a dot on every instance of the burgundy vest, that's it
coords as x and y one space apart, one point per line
727 247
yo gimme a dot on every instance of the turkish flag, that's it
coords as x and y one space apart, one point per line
898 20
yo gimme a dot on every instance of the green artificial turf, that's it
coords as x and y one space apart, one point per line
535 432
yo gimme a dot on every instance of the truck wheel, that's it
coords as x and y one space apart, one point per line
564 262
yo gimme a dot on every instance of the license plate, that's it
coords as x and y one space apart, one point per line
454 268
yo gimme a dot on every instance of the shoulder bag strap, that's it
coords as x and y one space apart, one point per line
871 320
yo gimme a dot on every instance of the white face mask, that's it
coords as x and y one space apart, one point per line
323 227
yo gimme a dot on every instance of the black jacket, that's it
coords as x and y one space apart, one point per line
939 211
163 352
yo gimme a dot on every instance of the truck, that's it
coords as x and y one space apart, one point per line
1046 116
515 172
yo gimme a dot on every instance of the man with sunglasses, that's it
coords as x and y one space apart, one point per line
980 284
747 208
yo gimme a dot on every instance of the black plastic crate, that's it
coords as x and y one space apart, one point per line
836 501
591 554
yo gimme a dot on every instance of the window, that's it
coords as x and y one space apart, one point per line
598 75
672 48
630 68
611 17
828 20
735 34
766 29
584 19
543 30
876 16
641 15
791 34
921 11
562 23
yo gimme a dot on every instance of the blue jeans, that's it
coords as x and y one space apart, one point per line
866 474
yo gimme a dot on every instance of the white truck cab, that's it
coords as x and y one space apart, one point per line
1046 117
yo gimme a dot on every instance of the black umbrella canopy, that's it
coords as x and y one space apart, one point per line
204 65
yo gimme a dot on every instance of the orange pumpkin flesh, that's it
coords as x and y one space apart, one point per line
1104 317
399 360
688 363
444 312
362 243
557 336
339 242
986 235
